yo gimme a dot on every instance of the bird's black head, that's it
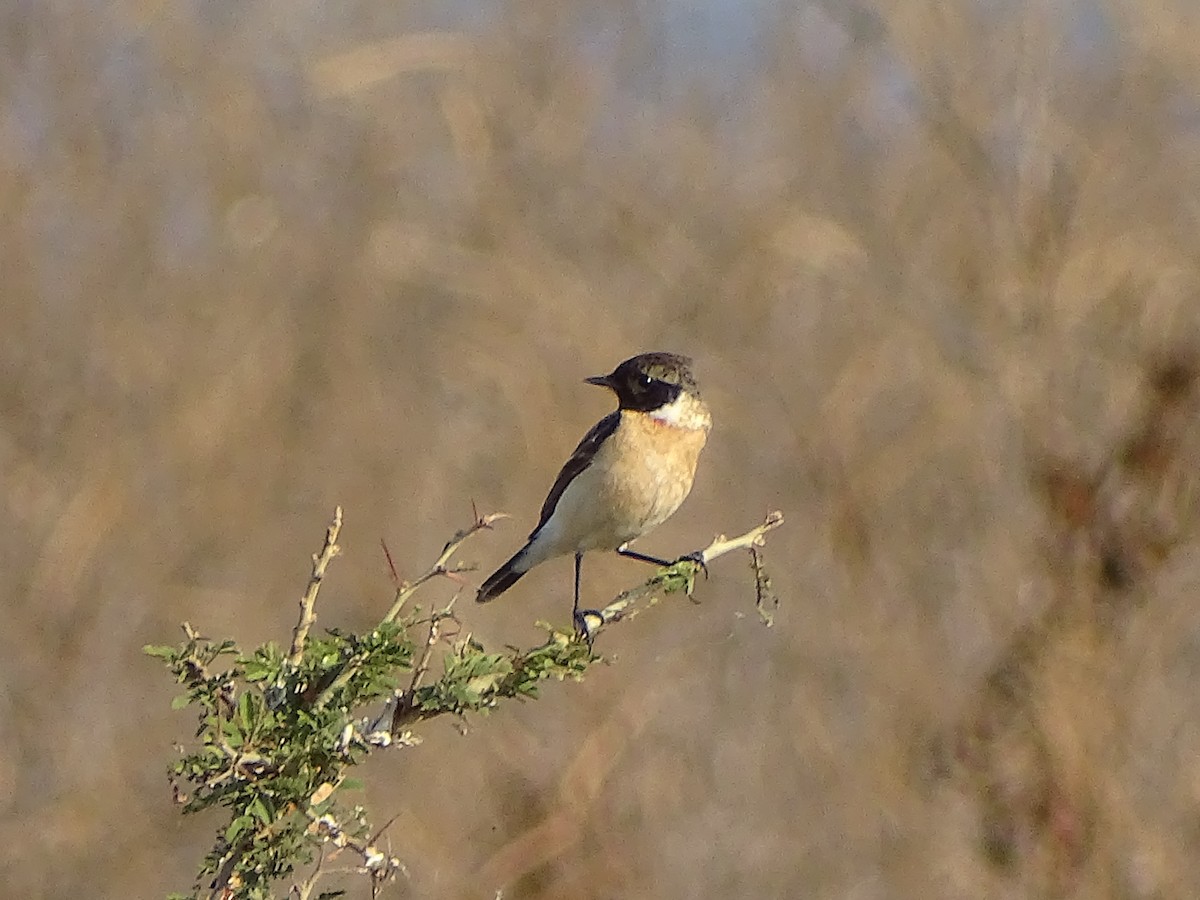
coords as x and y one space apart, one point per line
649 381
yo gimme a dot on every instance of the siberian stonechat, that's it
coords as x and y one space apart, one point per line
628 474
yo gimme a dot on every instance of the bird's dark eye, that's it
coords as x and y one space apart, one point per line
645 380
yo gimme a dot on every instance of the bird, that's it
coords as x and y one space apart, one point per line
627 476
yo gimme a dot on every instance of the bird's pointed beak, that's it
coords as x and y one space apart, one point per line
600 381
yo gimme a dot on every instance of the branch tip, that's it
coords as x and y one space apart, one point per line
320 562
627 604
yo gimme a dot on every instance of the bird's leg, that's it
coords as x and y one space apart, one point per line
697 558
633 554
583 618
578 566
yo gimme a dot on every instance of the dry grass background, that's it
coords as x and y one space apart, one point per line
938 265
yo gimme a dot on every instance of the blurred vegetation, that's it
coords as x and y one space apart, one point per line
937 265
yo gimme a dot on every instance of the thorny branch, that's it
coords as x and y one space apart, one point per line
406 589
564 652
628 603
197 672
374 862
404 708
405 701
320 562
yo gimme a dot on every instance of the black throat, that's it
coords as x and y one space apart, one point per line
647 397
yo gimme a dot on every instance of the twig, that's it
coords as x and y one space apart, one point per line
226 882
197 673
625 604
435 634
320 563
752 538
766 601
379 865
407 588
405 701
404 713
304 890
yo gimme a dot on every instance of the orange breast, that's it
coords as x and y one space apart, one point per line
645 472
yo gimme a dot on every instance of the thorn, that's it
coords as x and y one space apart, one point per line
391 565
384 827
486 520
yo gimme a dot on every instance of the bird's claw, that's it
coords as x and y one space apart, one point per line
696 559
587 624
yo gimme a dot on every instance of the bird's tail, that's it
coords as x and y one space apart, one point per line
504 577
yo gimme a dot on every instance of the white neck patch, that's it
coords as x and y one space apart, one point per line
685 411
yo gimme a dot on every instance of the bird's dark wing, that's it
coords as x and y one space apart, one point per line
580 460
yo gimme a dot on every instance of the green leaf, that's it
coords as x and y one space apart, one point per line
181 701
258 809
482 684
159 651
256 670
237 828
246 710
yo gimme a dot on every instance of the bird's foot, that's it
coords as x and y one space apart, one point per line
696 559
587 624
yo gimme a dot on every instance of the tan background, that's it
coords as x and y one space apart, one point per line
259 259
